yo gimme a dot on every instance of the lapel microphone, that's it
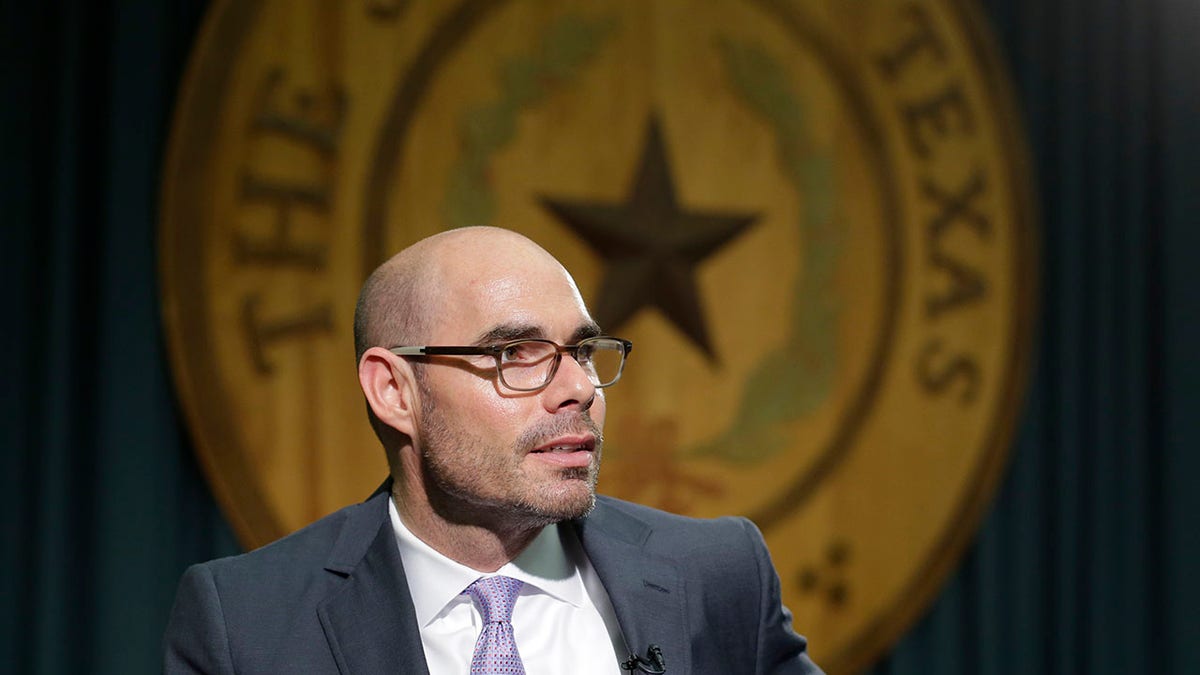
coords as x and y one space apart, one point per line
652 664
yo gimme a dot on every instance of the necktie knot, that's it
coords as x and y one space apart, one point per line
495 597
496 649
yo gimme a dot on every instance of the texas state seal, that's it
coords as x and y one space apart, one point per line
813 218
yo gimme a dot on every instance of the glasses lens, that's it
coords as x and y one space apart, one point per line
603 359
527 364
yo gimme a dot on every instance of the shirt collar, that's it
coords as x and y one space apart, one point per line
548 565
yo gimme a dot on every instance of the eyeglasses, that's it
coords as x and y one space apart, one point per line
530 365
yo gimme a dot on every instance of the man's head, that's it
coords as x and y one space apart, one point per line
458 440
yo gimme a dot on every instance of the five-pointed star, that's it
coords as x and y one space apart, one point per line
651 246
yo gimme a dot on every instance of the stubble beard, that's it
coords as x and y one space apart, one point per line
470 480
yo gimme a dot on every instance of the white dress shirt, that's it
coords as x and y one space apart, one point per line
563 621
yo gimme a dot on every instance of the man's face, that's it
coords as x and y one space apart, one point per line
521 458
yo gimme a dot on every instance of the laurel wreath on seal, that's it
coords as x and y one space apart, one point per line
794 379
564 48
791 380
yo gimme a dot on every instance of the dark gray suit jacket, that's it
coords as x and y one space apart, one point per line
333 598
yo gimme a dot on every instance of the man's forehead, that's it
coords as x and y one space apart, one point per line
546 316
505 302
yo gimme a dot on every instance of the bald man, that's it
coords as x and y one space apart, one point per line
487 549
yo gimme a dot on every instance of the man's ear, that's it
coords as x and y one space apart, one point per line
390 386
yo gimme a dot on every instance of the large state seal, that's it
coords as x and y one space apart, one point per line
812 217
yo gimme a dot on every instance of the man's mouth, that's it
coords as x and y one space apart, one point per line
566 450
568 444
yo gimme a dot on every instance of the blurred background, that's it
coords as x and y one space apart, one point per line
1085 563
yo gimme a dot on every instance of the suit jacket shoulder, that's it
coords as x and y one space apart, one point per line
704 591
329 598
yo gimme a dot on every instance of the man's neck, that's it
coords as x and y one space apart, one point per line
484 546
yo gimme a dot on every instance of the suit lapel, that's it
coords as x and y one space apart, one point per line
647 592
369 619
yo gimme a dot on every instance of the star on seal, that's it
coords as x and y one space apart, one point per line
651 246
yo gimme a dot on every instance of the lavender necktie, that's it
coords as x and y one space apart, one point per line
496 650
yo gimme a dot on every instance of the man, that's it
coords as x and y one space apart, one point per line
488 548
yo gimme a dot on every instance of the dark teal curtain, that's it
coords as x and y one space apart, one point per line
103 504
1087 563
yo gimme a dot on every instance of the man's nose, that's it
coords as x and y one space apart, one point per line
570 387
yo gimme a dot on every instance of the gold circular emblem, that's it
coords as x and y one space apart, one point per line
810 217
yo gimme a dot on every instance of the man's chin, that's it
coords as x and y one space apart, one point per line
570 499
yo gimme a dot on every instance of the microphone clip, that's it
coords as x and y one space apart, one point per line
653 663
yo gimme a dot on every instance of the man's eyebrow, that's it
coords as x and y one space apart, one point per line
507 332
585 331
